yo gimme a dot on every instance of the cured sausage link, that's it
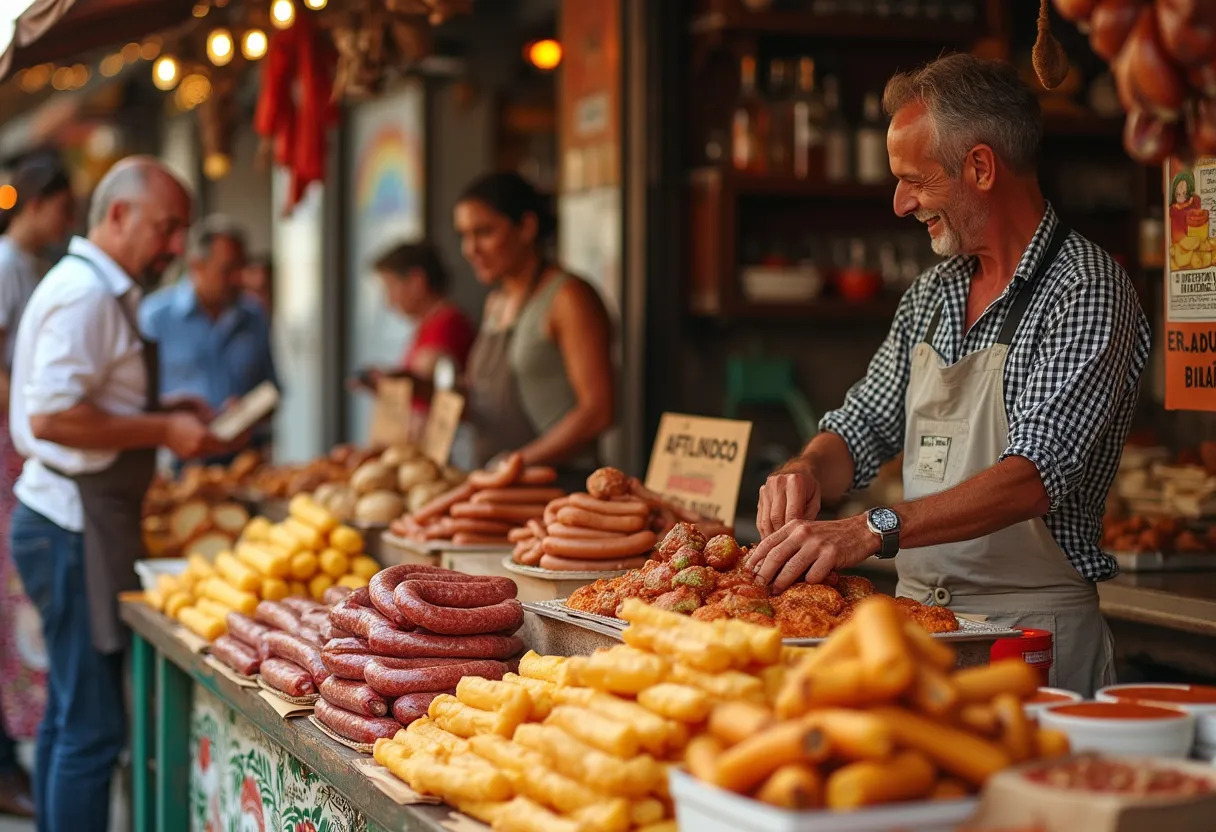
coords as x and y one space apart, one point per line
388 681
353 696
413 706
355 727
287 677
389 642
414 601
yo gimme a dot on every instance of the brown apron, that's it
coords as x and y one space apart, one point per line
113 501
1016 577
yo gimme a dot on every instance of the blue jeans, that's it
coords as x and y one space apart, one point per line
84 728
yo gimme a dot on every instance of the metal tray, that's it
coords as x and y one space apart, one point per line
968 630
1166 561
558 574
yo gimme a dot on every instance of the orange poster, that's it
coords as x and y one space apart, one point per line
1190 286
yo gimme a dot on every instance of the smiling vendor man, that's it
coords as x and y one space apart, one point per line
1008 380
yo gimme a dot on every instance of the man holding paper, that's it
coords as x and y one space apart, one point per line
86 416
214 341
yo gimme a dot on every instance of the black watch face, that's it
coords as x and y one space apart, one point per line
884 520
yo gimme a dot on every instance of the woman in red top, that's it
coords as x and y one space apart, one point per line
415 284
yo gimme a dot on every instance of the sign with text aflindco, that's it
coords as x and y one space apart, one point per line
698 462
1190 285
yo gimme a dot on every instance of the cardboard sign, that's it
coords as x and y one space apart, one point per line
441 426
391 412
698 463
1190 285
250 409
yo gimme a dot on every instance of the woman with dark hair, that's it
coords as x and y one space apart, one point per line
540 376
40 217
416 285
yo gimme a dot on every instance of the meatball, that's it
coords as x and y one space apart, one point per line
701 578
722 552
607 483
685 557
681 599
656 579
681 535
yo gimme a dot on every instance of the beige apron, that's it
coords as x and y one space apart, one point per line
1017 577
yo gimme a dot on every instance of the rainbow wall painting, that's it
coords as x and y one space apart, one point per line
388 174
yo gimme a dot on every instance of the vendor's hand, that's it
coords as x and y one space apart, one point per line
188 436
810 548
187 403
790 494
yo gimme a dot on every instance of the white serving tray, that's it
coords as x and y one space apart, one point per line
706 808
152 568
558 574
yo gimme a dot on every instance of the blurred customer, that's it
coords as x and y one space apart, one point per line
258 280
86 415
41 217
540 378
214 340
416 284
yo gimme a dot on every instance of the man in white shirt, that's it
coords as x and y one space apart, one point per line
84 414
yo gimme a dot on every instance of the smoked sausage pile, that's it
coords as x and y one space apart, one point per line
485 508
248 642
613 525
413 633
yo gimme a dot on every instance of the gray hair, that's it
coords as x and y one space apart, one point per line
972 101
127 180
205 233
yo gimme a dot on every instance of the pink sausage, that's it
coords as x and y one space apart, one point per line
299 651
287 677
422 602
245 629
389 642
355 727
390 682
353 696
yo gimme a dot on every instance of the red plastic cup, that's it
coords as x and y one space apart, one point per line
1032 647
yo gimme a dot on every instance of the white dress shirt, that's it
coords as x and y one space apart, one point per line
73 344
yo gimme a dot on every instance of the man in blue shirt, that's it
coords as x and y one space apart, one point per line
214 341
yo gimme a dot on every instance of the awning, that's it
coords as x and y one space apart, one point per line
55 30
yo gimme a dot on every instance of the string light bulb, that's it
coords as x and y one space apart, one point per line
220 48
217 165
130 53
253 44
282 13
111 65
194 89
8 197
545 54
164 73
316 5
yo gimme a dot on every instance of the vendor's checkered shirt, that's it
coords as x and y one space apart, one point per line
1071 379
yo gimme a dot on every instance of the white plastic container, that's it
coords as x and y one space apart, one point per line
1168 733
1051 696
1205 712
151 569
704 808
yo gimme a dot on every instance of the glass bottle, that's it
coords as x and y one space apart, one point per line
872 167
810 118
749 126
781 127
837 136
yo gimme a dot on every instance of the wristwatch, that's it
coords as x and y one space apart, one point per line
885 523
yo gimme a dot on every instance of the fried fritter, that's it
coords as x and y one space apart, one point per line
722 552
804 621
607 483
701 578
816 595
681 535
681 599
711 612
933 619
854 587
584 598
738 577
655 578
741 590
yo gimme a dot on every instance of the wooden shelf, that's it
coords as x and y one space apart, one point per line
808 25
823 310
749 184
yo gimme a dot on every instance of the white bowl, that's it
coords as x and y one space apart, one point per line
1160 694
1131 728
1050 696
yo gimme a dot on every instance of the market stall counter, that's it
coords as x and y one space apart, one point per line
168 678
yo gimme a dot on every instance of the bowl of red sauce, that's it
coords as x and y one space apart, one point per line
1044 698
1199 700
1123 727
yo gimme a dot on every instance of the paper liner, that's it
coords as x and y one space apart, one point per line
396 789
230 674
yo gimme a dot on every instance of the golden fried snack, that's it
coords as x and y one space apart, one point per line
773 678
845 682
733 722
932 692
792 654
608 735
512 702
1051 743
645 812
452 782
735 640
729 685
540 692
742 767
605 816
638 777
486 812
793 786
524 815
682 703
763 642
701 757
450 714
979 719
881 644
958 752
661 826
656 735
1017 733
853 735
428 730
927 648
693 651
535 666
947 788
621 669
981 684
906 776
